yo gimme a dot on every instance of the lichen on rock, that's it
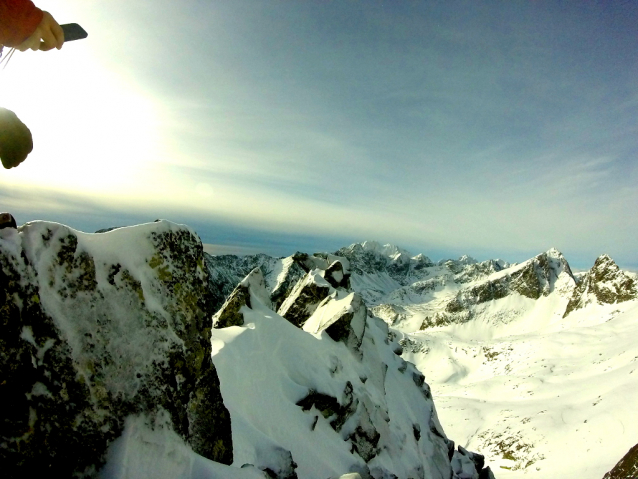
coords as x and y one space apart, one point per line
99 327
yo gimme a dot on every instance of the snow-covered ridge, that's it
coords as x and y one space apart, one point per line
372 411
111 370
543 360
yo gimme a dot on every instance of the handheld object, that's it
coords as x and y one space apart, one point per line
73 31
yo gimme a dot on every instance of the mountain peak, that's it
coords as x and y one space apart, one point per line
604 261
387 249
604 283
554 253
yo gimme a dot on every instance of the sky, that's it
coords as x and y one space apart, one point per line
494 129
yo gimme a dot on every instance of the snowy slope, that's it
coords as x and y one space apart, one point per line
530 365
322 391
558 403
518 356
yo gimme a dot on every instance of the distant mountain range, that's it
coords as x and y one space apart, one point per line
530 364
131 353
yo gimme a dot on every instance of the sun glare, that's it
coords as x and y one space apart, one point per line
93 131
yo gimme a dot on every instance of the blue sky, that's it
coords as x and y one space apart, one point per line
495 129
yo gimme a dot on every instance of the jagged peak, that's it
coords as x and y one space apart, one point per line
465 259
421 258
554 253
461 261
605 261
605 269
389 250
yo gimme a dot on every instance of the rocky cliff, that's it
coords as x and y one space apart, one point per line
604 283
98 328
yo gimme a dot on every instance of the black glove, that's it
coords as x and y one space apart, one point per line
7 221
15 139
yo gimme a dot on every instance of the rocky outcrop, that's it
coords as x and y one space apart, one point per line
305 298
226 271
604 283
337 276
342 316
97 328
230 314
280 274
292 270
627 467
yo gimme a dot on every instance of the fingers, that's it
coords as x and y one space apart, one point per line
31 43
53 35
47 36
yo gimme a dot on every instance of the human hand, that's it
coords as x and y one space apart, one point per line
47 35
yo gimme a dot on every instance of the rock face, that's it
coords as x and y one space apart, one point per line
97 328
365 394
627 467
537 277
605 283
305 298
342 316
230 313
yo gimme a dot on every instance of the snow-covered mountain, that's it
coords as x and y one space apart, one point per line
113 365
542 363
530 364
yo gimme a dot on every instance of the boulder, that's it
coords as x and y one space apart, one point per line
342 316
304 299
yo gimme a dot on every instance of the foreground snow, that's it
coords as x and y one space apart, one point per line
553 403
268 365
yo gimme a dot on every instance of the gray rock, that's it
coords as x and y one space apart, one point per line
604 283
342 316
627 467
252 288
337 276
92 337
305 298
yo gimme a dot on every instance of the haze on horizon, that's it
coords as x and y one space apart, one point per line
447 128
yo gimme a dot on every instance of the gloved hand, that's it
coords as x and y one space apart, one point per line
15 139
7 221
